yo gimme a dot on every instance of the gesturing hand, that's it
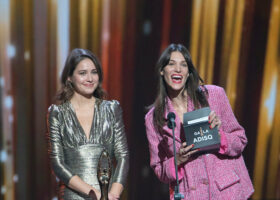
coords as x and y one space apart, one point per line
184 153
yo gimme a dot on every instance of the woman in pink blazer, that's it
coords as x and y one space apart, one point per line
218 176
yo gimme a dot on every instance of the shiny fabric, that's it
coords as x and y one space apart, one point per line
71 153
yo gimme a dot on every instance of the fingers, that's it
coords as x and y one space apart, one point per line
187 155
184 153
214 120
113 197
184 148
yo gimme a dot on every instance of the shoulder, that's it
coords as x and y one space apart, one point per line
112 106
150 114
215 91
54 113
216 95
56 110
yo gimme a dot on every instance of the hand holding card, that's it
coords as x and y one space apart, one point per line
198 132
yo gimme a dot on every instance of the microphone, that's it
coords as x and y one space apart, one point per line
171 120
171 124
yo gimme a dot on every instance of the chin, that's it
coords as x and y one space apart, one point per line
177 88
87 93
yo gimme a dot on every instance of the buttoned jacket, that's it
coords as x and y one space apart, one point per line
221 175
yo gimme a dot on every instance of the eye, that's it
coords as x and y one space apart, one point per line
94 71
184 64
171 63
82 72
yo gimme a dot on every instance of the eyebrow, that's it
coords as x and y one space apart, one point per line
180 61
86 70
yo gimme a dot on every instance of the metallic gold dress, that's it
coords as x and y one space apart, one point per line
72 154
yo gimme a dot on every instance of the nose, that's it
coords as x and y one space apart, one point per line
89 77
177 68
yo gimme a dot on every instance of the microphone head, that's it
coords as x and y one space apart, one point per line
171 120
171 115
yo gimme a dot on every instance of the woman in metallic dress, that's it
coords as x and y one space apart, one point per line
81 126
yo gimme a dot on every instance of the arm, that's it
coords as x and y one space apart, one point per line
55 150
120 152
76 183
233 138
160 161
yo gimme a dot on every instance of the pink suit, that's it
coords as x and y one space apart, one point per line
217 176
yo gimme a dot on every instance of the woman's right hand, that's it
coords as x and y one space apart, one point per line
184 153
113 196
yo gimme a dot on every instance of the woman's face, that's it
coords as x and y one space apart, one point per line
176 72
85 78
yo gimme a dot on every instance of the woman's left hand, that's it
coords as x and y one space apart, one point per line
112 196
214 120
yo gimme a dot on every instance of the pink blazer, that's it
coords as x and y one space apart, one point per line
218 176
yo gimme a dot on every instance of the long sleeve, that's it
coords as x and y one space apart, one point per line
160 161
120 146
55 146
233 133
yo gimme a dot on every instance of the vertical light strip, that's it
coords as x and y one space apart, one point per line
232 33
195 30
105 39
83 23
226 40
234 53
268 127
203 36
213 13
62 33
166 18
116 49
203 46
7 52
96 13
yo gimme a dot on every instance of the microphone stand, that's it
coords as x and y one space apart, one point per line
177 195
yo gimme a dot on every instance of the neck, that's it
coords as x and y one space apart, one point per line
79 100
178 99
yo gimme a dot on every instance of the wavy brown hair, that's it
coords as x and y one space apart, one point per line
74 58
194 84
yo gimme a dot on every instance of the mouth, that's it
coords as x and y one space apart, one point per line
176 78
89 85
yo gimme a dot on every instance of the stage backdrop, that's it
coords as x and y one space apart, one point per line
234 44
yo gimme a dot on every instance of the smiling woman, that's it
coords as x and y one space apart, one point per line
81 126
202 175
176 72
85 78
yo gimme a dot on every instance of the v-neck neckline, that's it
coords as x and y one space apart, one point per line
79 124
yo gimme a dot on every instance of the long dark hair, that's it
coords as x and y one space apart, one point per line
74 58
195 90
